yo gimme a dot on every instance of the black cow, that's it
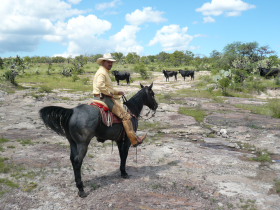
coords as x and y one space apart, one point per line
187 74
273 72
121 76
168 74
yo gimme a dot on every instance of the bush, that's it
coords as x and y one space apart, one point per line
141 69
223 84
274 105
45 89
10 76
75 78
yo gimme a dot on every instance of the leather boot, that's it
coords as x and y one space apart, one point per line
135 140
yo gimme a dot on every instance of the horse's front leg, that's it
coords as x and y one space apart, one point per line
123 152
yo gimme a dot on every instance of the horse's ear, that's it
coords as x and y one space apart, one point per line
150 87
141 85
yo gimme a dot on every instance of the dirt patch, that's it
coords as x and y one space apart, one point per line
183 165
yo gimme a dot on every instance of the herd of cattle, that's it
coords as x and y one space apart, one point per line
184 74
120 75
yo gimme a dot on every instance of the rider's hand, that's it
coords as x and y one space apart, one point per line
121 93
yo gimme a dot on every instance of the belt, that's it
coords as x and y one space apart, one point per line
101 95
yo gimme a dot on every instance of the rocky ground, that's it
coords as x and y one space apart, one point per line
183 165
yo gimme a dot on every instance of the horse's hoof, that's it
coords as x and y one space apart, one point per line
82 194
125 176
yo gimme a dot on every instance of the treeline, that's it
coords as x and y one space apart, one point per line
234 55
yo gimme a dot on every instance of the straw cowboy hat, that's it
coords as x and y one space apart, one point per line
106 57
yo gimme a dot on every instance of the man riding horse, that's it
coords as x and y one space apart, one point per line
103 90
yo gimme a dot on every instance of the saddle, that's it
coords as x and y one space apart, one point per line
108 118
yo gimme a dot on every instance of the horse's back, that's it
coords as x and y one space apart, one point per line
85 119
86 122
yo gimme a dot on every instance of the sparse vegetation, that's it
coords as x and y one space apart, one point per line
269 109
262 156
197 113
277 186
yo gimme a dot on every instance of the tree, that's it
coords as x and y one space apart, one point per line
132 58
177 58
118 56
264 51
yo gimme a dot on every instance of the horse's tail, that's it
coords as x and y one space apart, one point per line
56 118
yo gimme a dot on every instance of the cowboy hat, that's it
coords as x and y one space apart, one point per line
106 57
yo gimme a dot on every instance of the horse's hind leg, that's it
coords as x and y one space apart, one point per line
78 152
123 152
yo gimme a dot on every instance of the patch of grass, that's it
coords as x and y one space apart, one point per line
277 186
66 98
95 186
45 89
9 183
4 168
262 156
144 125
164 98
29 186
56 81
270 109
25 142
3 140
157 186
274 107
248 204
256 109
37 96
28 174
197 113
247 146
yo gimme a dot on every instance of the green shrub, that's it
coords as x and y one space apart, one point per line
10 76
45 89
141 69
262 156
85 80
75 78
274 106
223 84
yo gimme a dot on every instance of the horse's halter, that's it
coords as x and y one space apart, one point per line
150 98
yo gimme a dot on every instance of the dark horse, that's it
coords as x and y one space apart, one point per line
80 124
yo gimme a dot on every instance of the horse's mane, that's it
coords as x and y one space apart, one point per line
135 103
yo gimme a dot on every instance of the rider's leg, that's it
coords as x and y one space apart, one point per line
127 124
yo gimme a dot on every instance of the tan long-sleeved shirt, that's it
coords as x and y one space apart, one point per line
102 82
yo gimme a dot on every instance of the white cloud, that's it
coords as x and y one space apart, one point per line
81 34
24 23
208 19
125 40
139 17
228 7
173 37
108 5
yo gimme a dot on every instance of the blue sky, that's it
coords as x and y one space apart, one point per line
147 27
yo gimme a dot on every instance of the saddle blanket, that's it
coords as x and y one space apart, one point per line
108 118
